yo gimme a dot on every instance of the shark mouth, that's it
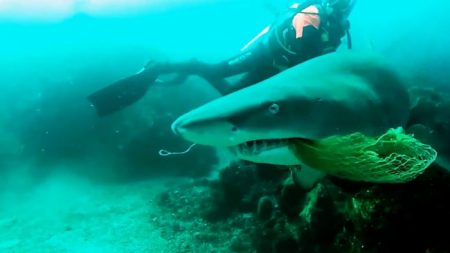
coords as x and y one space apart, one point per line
268 151
256 147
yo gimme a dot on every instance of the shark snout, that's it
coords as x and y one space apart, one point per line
176 127
219 123
206 131
182 127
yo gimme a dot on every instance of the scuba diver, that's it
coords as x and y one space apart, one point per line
306 30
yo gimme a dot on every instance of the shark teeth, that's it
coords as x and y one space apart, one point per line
258 146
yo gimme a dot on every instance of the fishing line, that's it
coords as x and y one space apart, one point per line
164 152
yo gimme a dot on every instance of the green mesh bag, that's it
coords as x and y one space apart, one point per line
395 157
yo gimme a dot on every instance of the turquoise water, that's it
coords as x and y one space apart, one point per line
71 182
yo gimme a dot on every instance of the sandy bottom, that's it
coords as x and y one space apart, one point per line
69 214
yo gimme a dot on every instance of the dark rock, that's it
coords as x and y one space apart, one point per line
321 221
239 188
265 208
404 217
285 245
291 199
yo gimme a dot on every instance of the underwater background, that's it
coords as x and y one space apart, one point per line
73 182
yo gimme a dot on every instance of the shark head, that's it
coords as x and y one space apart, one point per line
331 95
253 123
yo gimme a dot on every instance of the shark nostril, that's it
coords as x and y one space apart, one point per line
234 129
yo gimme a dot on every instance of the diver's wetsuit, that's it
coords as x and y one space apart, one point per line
299 35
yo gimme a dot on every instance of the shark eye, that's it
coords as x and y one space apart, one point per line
274 108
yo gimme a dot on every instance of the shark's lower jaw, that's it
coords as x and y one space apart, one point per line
273 151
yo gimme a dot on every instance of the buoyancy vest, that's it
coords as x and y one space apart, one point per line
289 42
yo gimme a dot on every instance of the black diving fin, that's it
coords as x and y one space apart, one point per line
122 93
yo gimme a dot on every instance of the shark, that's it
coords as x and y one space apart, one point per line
335 94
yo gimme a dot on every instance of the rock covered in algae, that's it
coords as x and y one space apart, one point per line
402 218
223 215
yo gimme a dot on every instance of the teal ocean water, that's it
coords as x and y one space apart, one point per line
71 181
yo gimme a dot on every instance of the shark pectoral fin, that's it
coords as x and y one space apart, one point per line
306 177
